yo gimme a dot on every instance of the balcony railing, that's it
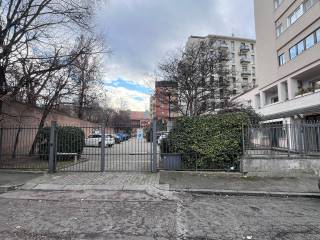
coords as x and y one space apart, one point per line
245 73
244 48
244 60
223 45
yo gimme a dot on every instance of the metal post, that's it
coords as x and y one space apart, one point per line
103 146
52 148
1 135
300 138
243 143
288 138
154 146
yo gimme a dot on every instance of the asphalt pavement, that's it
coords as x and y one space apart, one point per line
155 215
130 155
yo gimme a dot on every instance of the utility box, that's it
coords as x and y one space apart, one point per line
171 161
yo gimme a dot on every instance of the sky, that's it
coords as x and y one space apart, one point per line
140 33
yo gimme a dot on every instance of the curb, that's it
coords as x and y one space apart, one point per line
248 193
4 189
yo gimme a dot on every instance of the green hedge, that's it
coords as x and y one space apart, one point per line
69 140
207 142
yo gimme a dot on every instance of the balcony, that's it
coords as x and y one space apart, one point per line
223 46
245 60
245 73
244 49
302 104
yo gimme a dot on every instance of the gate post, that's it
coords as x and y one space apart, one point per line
103 146
154 146
52 148
1 134
288 137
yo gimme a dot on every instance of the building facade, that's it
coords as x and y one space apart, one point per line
163 101
139 120
241 60
288 61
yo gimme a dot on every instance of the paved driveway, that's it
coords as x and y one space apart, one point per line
131 155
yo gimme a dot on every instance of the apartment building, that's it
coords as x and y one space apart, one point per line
162 103
242 59
288 61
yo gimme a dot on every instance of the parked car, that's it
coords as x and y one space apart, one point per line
161 137
117 139
120 136
96 139
126 136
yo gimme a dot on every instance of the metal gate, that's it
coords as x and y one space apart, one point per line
105 148
94 148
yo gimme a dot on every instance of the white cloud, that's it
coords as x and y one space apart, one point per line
134 100
142 32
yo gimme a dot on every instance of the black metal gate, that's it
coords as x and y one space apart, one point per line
92 148
105 148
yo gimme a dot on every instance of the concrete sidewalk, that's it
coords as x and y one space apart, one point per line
10 180
80 181
235 183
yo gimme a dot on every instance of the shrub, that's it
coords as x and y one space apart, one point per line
208 142
69 140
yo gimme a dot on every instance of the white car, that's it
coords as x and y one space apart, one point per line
162 136
95 140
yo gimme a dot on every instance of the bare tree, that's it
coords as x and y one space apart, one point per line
31 30
202 77
86 73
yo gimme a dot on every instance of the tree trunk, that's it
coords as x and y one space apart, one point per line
41 124
16 142
3 90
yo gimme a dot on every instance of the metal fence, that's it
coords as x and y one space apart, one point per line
287 140
100 147
18 148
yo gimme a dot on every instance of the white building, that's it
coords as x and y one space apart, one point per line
242 59
288 61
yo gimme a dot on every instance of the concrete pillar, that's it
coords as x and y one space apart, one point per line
292 88
263 99
282 92
257 104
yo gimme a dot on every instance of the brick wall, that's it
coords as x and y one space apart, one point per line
28 117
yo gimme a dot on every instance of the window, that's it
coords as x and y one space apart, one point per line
282 59
253 59
232 45
233 57
310 41
300 47
293 52
233 69
279 30
234 91
318 35
253 71
244 68
293 17
304 7
252 46
277 3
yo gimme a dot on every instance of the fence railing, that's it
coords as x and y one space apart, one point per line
289 140
18 149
